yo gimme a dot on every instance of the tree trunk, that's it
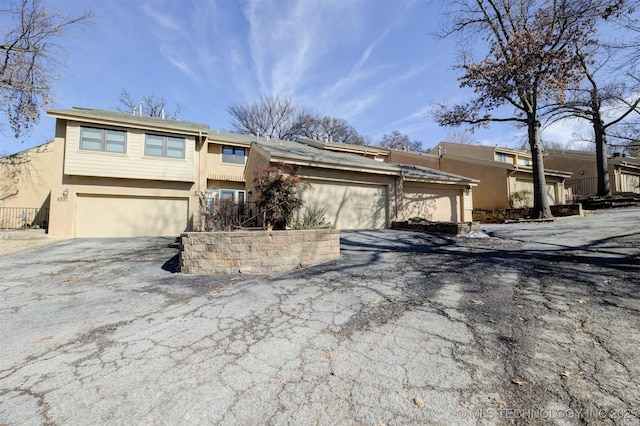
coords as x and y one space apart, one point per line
541 206
604 189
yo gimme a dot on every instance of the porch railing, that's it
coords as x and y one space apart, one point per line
24 218
578 188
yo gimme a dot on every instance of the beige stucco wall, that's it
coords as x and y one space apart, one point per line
219 171
25 180
25 177
580 166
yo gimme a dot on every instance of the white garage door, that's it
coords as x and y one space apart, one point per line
121 216
350 206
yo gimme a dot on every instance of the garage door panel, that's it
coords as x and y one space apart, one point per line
350 206
430 203
123 216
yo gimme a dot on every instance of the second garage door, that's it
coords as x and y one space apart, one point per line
123 216
350 206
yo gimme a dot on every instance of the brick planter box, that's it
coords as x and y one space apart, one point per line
256 252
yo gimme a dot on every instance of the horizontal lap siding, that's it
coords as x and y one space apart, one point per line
131 165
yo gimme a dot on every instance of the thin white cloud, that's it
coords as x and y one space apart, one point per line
164 21
289 40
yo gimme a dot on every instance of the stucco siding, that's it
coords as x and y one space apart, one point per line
25 177
133 164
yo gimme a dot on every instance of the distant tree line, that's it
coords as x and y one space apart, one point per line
276 117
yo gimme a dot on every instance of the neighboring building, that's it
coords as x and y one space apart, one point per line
505 175
114 174
624 172
362 193
25 179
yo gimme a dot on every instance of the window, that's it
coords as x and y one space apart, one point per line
164 146
501 157
232 154
107 140
236 196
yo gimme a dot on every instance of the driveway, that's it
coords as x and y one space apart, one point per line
538 324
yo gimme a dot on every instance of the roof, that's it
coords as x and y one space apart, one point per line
591 155
116 118
507 166
43 147
232 138
306 155
343 147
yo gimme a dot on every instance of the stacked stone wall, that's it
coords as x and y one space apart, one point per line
256 252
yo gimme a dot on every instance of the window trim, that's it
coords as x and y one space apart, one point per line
104 140
234 155
165 146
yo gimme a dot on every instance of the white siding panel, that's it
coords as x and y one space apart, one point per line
350 206
132 165
123 216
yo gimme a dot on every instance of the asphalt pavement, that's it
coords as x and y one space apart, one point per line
534 323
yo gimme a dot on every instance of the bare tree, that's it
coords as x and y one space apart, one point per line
460 136
274 117
29 58
399 141
627 136
329 129
529 65
271 117
604 104
149 106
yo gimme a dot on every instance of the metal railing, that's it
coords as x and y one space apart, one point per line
24 218
582 187
222 215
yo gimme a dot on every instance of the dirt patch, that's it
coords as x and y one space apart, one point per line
11 246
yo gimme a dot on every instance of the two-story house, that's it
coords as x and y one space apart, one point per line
118 174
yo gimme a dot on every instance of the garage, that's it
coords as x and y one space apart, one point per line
349 205
434 204
128 216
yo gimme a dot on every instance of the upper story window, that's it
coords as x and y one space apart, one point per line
107 140
501 157
164 146
232 154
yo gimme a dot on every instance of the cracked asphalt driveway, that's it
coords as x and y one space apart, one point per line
537 324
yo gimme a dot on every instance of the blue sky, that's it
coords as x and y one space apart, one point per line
374 63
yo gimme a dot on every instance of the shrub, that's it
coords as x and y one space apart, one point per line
277 189
313 217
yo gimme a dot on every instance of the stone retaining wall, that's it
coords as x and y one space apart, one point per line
256 252
504 215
